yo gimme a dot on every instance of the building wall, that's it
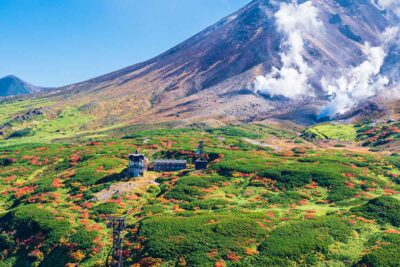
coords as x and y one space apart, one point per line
169 167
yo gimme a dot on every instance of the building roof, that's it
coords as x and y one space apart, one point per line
170 161
136 157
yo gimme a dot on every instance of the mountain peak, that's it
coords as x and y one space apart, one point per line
11 77
13 85
297 49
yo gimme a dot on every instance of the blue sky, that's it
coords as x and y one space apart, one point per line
58 42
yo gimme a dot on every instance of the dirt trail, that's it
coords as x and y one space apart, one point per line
123 187
262 144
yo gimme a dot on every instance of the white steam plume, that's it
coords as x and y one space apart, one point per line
393 5
361 82
291 80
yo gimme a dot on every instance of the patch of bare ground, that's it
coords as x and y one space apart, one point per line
348 146
138 184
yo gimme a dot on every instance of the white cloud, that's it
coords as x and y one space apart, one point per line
291 80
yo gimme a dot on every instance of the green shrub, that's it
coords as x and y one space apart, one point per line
382 209
188 187
194 237
106 208
21 133
208 204
301 241
285 198
387 253
153 208
6 242
6 162
234 132
84 239
30 219
182 192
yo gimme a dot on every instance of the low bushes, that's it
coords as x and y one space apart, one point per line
208 204
189 187
30 219
183 192
105 208
285 198
326 170
94 169
201 239
42 234
233 132
21 133
301 242
6 161
289 179
382 209
386 252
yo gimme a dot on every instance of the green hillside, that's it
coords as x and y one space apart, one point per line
257 204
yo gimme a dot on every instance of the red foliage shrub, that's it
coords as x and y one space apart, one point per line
74 158
24 190
57 183
233 257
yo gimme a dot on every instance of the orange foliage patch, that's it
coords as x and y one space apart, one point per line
389 191
251 251
176 208
220 263
232 256
349 184
349 175
24 190
74 158
57 183
392 231
309 216
132 197
303 202
10 178
210 189
364 220
263 226
270 214
312 185
212 253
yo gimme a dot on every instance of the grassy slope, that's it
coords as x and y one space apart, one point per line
69 122
342 132
11 108
381 135
248 209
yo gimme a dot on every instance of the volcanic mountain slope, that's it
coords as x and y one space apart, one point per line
211 75
12 85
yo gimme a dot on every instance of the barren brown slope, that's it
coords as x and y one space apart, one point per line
210 75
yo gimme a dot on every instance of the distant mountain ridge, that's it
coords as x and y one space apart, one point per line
11 85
